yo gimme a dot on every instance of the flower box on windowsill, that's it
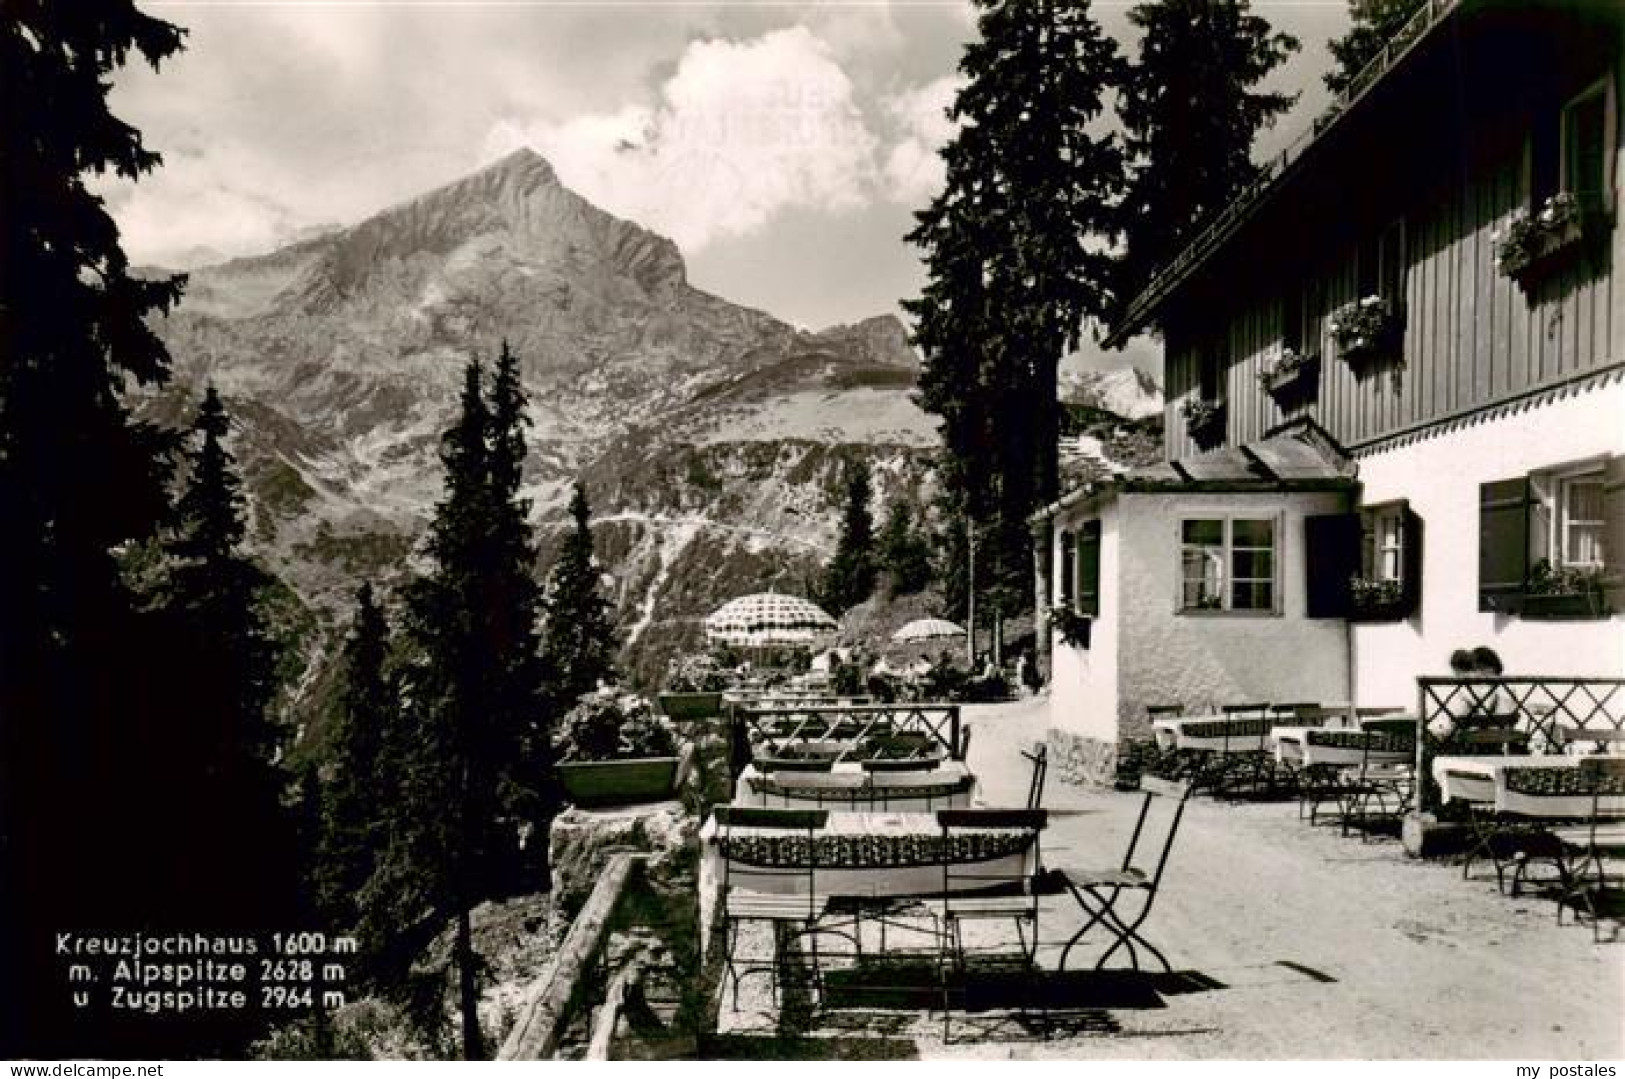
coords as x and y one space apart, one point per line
1204 420
1367 330
1395 610
1381 600
1292 377
1563 606
1529 247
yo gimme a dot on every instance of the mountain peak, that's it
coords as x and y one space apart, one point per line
522 162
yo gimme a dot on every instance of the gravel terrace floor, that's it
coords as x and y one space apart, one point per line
1290 942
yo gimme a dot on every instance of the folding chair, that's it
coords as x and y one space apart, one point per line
1097 891
1588 847
978 888
1382 788
1039 756
760 884
1491 832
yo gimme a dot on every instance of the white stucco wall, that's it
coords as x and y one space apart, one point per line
1440 476
1202 659
1083 685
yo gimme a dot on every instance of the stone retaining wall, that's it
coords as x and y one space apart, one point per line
1094 762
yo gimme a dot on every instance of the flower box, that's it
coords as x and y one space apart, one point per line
1366 329
686 707
1563 606
597 784
1378 601
1530 246
1292 376
1205 421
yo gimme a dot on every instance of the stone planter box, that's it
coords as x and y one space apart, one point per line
597 784
1572 606
691 706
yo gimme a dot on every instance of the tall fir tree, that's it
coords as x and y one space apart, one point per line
353 816
1017 259
1191 111
226 738
904 554
79 478
578 646
849 578
1373 24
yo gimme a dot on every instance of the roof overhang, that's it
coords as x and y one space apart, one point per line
1276 173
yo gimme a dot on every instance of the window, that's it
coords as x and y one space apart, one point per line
1089 568
1227 564
1215 359
1295 316
1380 263
1067 569
1365 566
1584 133
1555 532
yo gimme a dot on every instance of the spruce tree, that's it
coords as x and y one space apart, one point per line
225 679
904 554
79 479
1374 23
850 576
353 817
1190 112
1015 249
578 647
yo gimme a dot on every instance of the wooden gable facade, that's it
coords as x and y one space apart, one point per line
1495 109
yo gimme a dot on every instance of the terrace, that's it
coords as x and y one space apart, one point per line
1287 940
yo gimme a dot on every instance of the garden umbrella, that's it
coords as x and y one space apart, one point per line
927 629
767 619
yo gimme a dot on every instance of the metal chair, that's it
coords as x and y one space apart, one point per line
1098 891
1039 756
1491 833
1588 847
979 887
760 884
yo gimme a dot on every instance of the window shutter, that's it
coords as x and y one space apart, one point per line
1331 546
1613 538
1067 564
1411 585
1503 544
1089 568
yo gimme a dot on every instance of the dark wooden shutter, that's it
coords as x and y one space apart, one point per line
1068 561
1331 545
1411 584
1089 568
1613 533
1503 544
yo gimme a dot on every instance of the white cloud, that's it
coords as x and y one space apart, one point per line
741 132
913 170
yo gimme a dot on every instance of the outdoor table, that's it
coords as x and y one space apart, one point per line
847 785
864 855
1475 779
1337 748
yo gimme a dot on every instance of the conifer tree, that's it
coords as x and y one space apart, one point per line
352 812
79 479
904 554
1374 23
850 576
1190 112
1015 248
578 647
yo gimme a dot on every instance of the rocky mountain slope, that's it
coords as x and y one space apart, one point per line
712 437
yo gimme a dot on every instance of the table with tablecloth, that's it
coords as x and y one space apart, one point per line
847 785
1539 786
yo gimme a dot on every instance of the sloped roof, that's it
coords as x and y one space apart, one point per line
1299 456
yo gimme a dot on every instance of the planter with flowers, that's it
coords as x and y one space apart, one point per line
1293 375
1366 329
693 689
1530 245
1204 420
1374 600
614 750
1563 592
1071 627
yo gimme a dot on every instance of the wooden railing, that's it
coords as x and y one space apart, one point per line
1550 711
855 727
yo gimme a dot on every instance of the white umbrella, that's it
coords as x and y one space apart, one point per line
765 619
927 629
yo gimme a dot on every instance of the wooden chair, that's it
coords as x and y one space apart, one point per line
975 889
1589 847
1099 891
782 892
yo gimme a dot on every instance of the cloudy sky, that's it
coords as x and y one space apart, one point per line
782 145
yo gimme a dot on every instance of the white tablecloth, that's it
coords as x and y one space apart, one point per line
1476 779
861 789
